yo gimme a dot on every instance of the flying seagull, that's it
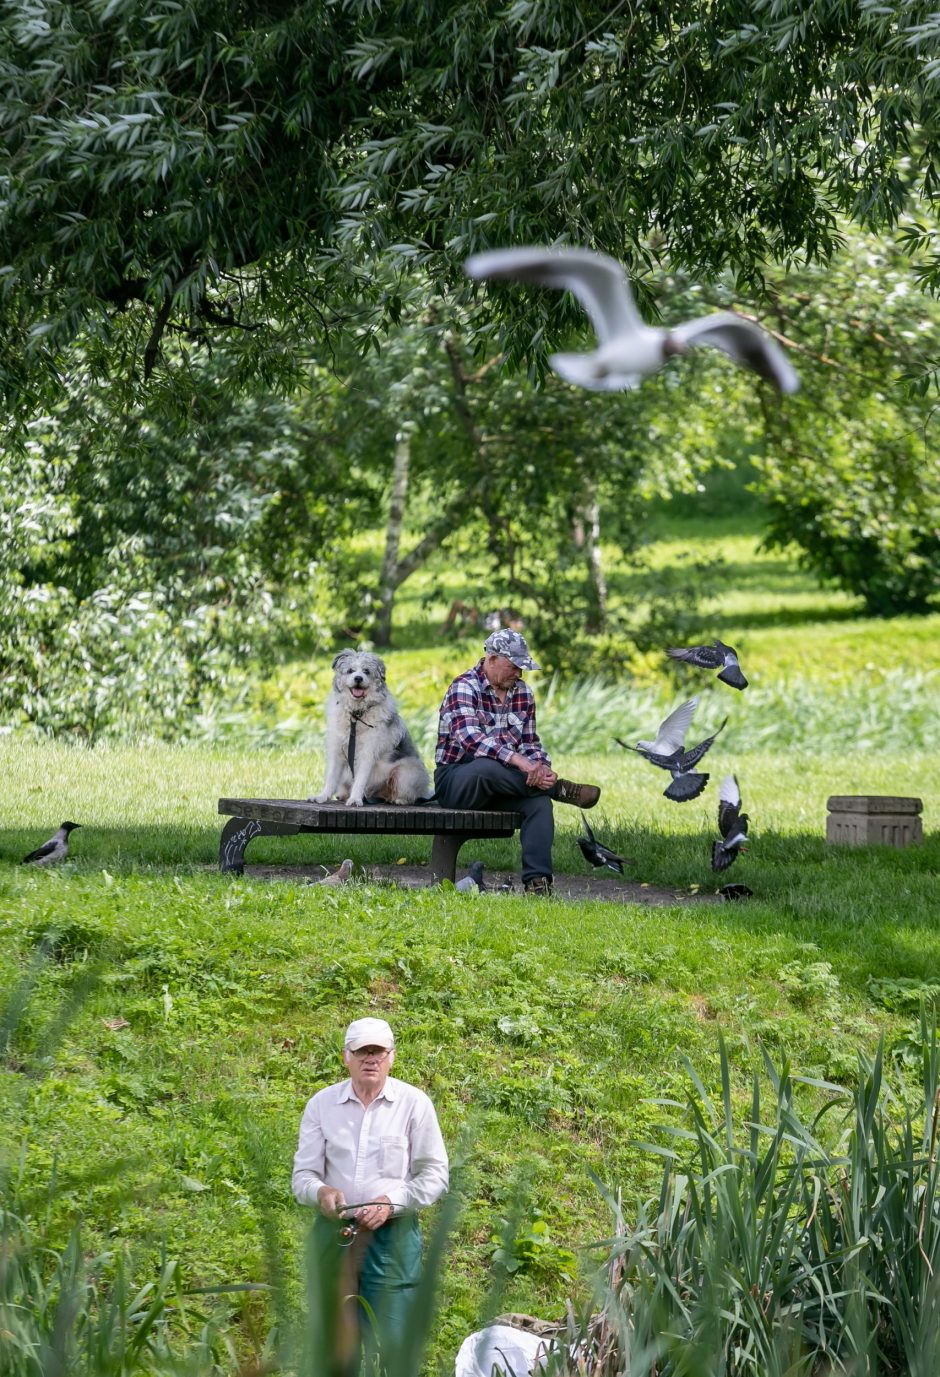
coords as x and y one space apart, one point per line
732 824
668 752
716 656
628 349
55 849
596 853
473 878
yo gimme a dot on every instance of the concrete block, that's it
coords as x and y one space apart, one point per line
867 819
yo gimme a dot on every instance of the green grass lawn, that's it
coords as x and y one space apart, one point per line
542 1030
207 1008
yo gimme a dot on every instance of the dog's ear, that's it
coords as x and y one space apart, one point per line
341 656
380 666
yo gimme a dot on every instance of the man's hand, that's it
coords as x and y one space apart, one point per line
374 1215
538 774
330 1201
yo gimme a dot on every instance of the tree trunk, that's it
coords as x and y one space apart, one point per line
597 587
396 516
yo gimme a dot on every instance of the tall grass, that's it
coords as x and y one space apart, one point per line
767 1253
895 713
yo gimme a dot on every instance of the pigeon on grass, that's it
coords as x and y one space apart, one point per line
55 849
596 853
668 753
717 656
732 824
735 892
338 877
629 349
473 880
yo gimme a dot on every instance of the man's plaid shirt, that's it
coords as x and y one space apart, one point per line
474 722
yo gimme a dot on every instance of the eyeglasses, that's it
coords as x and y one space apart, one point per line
379 1053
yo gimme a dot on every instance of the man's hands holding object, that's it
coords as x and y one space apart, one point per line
371 1215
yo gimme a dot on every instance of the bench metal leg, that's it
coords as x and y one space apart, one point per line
238 832
444 854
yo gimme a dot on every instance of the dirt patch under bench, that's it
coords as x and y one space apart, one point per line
609 888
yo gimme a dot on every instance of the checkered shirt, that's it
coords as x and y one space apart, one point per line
474 722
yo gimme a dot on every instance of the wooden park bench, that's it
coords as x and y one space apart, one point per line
267 817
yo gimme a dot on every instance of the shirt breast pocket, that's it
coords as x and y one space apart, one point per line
393 1156
515 723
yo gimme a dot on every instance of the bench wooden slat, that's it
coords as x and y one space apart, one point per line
337 817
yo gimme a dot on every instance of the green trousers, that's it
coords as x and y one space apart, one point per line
360 1294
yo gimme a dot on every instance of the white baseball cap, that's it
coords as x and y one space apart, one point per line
368 1032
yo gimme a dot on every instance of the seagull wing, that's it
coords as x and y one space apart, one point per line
745 342
705 656
671 735
598 282
729 804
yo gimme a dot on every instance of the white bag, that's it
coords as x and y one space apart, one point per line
513 1352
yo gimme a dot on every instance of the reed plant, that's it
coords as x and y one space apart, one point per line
788 1243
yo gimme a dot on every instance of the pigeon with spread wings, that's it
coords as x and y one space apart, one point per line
732 824
717 656
669 753
628 349
596 853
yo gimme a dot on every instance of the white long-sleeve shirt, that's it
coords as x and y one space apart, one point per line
394 1147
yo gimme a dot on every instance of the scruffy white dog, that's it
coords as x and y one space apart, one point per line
369 753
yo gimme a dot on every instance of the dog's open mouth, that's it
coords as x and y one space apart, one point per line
358 692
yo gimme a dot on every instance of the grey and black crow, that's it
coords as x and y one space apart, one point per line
732 824
628 349
596 853
668 752
717 656
55 849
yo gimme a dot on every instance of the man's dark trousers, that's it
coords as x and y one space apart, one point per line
361 1295
486 783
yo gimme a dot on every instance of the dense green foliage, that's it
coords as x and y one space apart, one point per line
212 170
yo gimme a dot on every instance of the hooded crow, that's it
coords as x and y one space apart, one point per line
667 752
55 849
717 656
628 349
732 824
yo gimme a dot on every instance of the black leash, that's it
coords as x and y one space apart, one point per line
351 743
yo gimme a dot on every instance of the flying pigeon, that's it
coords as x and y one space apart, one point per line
717 656
629 350
732 824
473 878
339 877
596 853
667 752
55 849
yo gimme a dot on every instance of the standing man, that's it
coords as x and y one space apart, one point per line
370 1155
489 754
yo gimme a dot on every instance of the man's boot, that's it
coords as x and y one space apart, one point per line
580 795
540 887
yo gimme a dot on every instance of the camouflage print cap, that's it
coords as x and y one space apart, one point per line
512 645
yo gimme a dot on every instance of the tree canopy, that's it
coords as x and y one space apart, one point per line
223 169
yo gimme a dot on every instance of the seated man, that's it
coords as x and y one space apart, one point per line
489 754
